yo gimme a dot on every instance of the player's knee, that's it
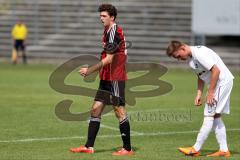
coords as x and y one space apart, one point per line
95 112
120 113
117 114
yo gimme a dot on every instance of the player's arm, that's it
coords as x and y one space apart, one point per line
215 72
200 86
210 64
110 49
87 71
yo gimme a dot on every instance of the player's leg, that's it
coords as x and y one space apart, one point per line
207 125
118 101
94 123
209 113
201 137
101 98
93 127
212 119
204 132
220 132
219 127
124 127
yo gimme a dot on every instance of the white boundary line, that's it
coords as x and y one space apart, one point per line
141 111
104 136
117 129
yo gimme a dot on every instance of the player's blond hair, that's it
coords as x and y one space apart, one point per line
173 47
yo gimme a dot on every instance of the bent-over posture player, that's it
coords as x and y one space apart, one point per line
211 71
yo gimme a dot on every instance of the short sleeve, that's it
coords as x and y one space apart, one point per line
112 43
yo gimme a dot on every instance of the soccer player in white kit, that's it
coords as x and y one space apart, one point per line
211 71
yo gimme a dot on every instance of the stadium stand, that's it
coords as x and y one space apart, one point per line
61 29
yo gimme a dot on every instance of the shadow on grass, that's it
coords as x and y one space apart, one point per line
205 152
135 149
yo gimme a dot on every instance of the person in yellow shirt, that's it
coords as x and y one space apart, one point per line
19 35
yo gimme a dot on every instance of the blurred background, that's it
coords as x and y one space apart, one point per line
61 29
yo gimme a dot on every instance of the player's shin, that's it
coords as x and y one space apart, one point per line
124 127
220 132
93 128
204 132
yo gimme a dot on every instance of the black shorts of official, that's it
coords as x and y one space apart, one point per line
111 93
19 45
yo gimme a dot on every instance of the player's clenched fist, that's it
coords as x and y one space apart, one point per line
83 71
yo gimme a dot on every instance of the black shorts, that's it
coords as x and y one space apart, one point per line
111 93
19 45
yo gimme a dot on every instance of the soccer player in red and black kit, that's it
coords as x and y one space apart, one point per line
111 91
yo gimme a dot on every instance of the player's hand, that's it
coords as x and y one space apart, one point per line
197 101
210 99
83 72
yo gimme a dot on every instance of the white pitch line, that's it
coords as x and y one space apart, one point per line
108 127
104 136
117 129
140 111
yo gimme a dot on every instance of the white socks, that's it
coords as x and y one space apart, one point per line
218 126
204 132
220 131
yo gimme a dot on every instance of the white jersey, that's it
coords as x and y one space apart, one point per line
202 61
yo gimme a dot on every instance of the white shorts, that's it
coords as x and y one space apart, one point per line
222 96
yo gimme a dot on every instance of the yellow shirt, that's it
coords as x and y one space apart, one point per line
19 32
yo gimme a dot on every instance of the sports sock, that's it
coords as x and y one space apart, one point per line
204 132
220 132
93 128
124 127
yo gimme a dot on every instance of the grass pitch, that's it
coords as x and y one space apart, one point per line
30 130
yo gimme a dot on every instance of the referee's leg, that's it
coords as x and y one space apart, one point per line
23 50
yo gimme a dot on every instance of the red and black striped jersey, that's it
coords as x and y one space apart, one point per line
114 43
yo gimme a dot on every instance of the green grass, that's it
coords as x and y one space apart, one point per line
27 111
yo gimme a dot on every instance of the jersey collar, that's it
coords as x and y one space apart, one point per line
111 27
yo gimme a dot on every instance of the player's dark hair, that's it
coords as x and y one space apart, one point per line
173 47
110 9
